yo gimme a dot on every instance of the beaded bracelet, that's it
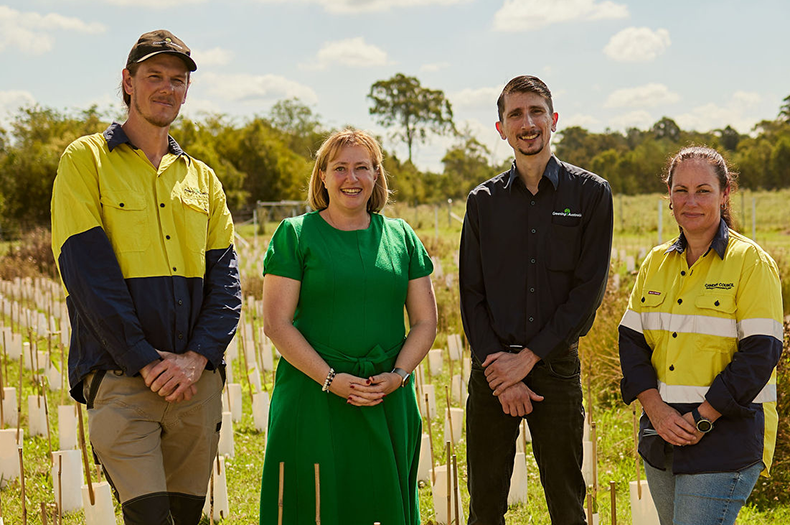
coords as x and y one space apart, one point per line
330 376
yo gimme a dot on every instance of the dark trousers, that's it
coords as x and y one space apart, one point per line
556 425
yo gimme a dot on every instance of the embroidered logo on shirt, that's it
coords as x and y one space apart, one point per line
566 213
653 292
719 286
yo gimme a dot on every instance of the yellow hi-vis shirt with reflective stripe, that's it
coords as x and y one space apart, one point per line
697 321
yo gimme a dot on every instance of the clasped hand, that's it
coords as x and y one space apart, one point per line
363 392
671 426
504 373
174 376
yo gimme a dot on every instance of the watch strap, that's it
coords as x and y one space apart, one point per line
404 376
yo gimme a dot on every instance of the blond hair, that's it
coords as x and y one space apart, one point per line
318 197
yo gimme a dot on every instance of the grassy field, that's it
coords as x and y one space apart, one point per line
635 232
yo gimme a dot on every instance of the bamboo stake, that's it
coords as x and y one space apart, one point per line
636 456
19 397
449 484
2 390
244 356
46 416
280 495
430 438
85 459
317 495
524 435
43 513
589 508
455 491
22 480
60 488
63 381
593 437
449 415
5 356
612 485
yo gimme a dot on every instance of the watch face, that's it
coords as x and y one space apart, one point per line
703 425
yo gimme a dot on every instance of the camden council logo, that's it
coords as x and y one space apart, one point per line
566 213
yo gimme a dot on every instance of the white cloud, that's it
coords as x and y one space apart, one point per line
635 119
32 33
739 112
481 98
350 52
254 88
159 4
647 96
637 44
436 66
10 102
577 119
212 57
360 6
521 15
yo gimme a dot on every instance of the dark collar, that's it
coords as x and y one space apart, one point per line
718 244
552 172
115 136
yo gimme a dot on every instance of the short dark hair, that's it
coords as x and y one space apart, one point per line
524 84
726 177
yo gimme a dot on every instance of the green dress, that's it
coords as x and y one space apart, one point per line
351 310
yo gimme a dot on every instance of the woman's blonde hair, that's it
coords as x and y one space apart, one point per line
318 197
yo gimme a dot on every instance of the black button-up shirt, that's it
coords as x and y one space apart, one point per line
533 268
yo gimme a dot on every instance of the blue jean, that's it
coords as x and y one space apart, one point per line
713 498
556 425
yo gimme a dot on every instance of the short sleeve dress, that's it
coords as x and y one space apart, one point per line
351 310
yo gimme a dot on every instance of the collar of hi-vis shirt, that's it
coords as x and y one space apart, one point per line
552 172
115 136
718 244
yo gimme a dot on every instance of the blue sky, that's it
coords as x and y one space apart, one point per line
610 64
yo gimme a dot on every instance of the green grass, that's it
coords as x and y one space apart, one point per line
637 215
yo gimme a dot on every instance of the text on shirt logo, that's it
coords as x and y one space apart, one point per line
719 286
566 213
653 292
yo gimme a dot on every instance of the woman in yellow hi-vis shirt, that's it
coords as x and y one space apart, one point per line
699 344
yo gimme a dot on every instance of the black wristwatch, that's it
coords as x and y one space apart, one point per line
704 425
404 376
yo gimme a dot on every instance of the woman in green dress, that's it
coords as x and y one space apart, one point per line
335 286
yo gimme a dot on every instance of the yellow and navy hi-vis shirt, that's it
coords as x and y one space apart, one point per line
145 255
710 331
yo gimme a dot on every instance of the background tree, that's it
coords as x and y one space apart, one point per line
784 110
301 126
402 102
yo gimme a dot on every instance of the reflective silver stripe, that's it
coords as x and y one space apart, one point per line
632 320
689 324
696 394
769 327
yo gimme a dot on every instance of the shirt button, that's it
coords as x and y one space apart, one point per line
180 302
180 336
643 299
532 290
532 261
683 272
533 230
680 301
174 268
531 319
532 203
674 334
167 237
161 204
716 303
121 205
671 368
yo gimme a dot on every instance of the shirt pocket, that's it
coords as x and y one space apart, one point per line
717 321
564 245
195 210
126 220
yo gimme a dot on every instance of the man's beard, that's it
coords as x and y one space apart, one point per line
160 122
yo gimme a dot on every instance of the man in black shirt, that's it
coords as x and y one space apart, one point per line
534 260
